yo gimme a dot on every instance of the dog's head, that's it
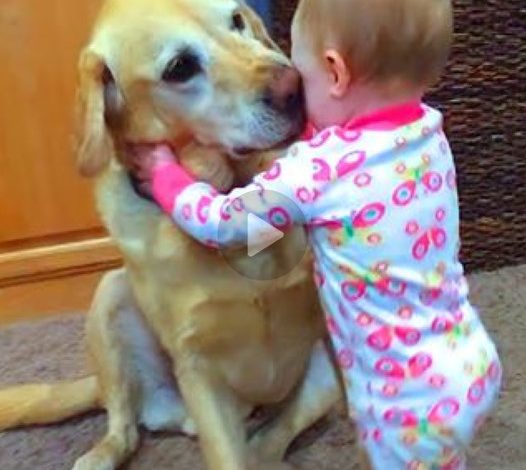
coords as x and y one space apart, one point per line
179 70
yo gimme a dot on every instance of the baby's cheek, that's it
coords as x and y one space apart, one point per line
315 109
319 117
318 104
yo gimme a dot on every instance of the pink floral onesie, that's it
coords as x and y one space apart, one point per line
380 206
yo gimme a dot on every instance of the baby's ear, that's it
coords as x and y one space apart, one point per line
339 72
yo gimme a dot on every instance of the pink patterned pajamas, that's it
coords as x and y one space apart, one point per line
380 206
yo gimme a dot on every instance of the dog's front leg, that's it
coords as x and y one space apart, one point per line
217 416
119 389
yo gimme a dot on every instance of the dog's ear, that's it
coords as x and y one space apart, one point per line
94 143
258 27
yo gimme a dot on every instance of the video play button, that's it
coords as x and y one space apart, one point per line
271 250
260 235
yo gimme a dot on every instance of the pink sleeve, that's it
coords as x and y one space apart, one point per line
283 196
221 219
168 181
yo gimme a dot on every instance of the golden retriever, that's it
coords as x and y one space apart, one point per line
180 340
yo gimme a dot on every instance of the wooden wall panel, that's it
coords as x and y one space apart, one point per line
41 196
32 301
58 261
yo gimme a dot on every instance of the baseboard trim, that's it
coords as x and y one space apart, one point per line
58 261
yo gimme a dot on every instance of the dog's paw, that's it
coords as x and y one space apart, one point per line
268 446
164 410
93 461
188 427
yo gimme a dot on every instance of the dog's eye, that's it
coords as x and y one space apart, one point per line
182 68
238 22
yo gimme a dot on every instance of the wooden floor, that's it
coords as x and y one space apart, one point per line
43 298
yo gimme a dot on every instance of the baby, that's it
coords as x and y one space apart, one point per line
375 182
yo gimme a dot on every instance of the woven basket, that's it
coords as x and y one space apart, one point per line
483 97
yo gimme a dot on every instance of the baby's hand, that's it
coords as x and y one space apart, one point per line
145 159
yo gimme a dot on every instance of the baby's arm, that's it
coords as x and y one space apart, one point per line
206 163
221 220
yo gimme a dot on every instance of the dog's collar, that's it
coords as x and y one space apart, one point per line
137 187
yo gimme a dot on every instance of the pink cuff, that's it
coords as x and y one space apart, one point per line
168 181
309 132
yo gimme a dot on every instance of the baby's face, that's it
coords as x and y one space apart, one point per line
315 76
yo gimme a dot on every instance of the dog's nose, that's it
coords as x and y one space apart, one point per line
285 91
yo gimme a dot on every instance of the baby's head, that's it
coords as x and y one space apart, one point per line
346 48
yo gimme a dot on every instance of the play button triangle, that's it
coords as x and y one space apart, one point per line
260 235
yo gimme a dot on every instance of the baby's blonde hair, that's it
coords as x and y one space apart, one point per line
382 40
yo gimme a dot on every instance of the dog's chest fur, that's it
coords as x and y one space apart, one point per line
136 224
